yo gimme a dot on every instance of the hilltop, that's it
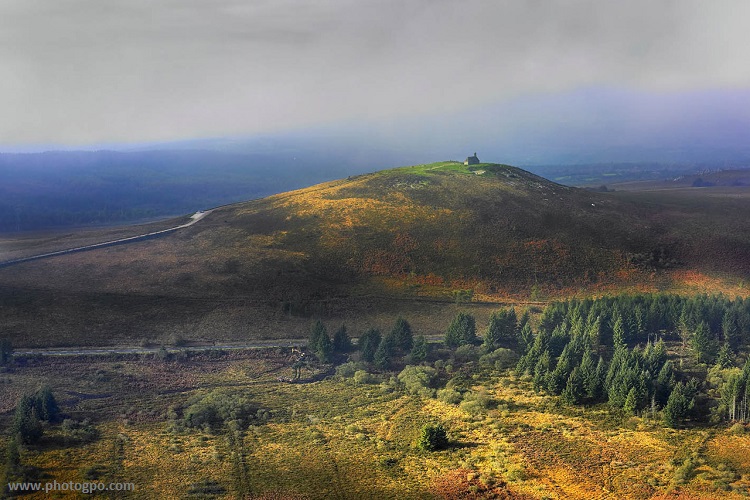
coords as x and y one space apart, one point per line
366 248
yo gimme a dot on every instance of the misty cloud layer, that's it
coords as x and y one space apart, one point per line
87 71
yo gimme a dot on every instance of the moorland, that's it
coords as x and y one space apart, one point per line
472 332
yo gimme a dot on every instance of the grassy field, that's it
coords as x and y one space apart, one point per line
340 439
25 244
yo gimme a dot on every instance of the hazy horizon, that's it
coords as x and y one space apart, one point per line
522 83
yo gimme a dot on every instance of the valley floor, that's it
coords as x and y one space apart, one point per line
353 438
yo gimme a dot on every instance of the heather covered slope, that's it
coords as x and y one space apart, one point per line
359 247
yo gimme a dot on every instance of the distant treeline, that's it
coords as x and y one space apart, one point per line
53 189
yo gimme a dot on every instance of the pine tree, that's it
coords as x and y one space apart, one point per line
595 384
588 372
525 338
541 371
559 376
574 391
402 335
26 424
317 332
631 402
656 356
368 344
685 326
594 333
524 320
678 405
701 343
619 335
46 405
13 466
665 381
494 332
731 396
461 331
325 348
341 341
724 358
730 329
420 349
383 353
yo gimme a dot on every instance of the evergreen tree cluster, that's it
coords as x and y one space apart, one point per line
30 412
582 351
374 347
706 324
323 347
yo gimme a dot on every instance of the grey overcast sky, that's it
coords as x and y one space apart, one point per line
96 71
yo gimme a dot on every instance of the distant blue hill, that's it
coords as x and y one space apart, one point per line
54 189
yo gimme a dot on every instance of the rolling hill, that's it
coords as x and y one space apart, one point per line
362 250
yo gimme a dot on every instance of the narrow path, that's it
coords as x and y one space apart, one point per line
87 351
101 351
132 239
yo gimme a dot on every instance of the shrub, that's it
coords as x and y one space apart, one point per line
466 353
217 409
206 488
347 370
94 472
737 429
685 472
432 437
500 359
82 431
516 472
418 380
476 402
362 377
450 396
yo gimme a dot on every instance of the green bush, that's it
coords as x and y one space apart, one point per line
216 409
82 431
476 402
432 437
500 359
418 380
685 472
362 377
737 429
450 396
466 353
347 370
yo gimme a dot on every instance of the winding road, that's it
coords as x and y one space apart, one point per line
132 239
